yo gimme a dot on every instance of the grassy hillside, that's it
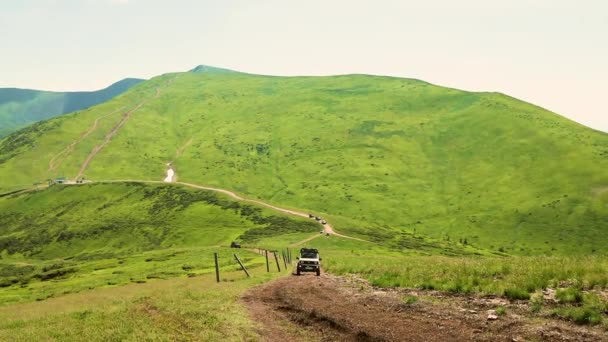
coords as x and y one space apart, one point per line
22 107
383 158
70 238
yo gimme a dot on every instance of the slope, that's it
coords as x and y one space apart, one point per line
22 107
384 158
69 232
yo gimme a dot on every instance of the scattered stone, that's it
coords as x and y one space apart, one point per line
472 311
492 317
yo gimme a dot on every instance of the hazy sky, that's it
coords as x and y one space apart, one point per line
553 53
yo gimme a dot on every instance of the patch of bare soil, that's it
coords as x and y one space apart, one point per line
330 308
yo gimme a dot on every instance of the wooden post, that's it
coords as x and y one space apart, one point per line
242 266
284 259
267 265
277 260
217 268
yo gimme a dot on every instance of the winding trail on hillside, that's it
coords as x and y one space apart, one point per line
125 117
53 165
328 229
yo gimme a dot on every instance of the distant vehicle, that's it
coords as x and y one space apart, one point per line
311 216
309 261
317 218
323 222
235 244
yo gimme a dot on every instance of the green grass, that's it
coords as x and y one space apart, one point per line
131 261
383 158
195 308
446 186
515 277
569 295
71 238
580 315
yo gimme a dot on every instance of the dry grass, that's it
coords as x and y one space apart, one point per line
195 308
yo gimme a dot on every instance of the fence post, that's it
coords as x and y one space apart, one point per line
217 268
277 260
284 259
267 265
242 266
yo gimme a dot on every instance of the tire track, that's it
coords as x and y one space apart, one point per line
70 148
112 133
181 149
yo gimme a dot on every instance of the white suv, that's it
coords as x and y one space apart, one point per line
309 261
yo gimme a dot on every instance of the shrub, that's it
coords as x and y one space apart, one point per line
516 294
459 287
581 316
427 285
500 311
536 303
569 295
410 300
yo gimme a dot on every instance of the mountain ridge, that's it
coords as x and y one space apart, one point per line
20 107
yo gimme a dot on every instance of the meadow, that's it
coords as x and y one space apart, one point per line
135 261
194 308
379 157
71 238
469 194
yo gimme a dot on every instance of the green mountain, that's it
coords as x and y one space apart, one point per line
382 158
22 107
211 70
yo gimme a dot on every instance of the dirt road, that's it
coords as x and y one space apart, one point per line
327 227
330 308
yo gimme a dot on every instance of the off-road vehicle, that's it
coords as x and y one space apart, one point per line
309 261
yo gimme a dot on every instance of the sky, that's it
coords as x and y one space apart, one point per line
553 53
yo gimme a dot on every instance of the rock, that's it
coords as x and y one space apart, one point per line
492 317
472 311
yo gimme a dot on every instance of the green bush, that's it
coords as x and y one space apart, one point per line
516 294
569 295
410 300
580 315
536 303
